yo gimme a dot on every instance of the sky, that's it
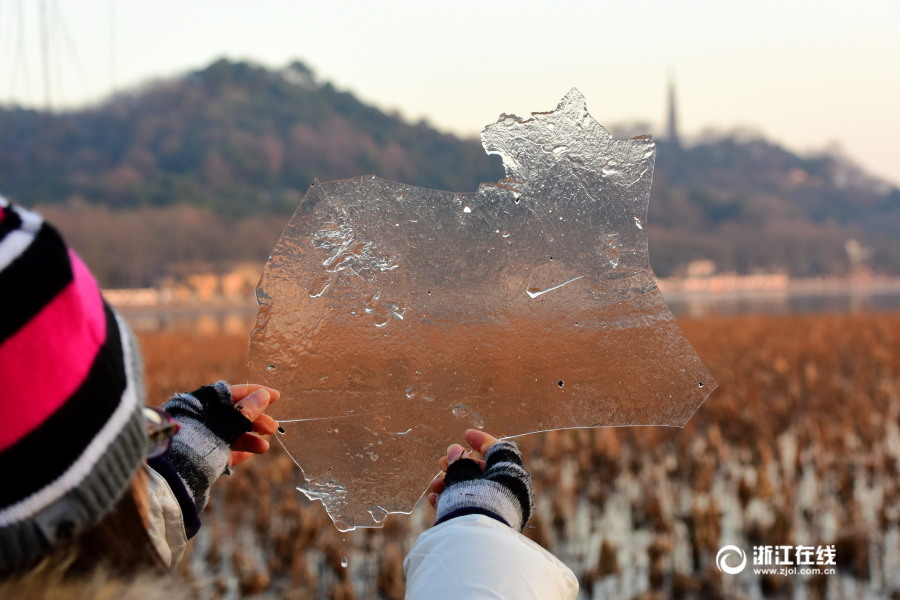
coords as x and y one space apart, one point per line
809 75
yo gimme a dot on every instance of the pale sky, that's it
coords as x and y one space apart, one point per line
808 75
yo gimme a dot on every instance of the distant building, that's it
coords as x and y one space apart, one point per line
672 125
701 268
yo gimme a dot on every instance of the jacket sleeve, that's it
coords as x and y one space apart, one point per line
476 557
165 522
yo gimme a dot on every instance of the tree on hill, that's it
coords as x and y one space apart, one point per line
234 137
234 146
751 205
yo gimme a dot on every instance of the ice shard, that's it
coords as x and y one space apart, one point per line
393 318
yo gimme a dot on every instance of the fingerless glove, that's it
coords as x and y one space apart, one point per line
210 425
503 492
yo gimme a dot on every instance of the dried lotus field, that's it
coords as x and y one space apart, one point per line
799 445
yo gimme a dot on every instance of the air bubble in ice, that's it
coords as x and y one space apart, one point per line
461 410
378 514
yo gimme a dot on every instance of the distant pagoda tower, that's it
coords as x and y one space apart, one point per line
673 116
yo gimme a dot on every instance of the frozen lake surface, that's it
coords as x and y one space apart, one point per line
238 320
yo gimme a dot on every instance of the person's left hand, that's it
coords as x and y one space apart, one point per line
252 399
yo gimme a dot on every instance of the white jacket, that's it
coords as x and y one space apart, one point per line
165 521
475 557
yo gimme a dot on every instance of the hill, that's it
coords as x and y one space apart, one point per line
201 171
751 205
234 137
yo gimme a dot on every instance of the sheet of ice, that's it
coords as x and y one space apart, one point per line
393 318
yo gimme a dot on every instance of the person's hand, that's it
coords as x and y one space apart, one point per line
491 481
252 399
220 425
479 441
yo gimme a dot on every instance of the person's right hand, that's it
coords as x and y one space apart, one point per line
479 441
491 481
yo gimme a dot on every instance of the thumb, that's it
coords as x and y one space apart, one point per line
454 453
254 405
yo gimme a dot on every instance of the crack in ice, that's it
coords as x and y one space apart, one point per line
325 418
536 294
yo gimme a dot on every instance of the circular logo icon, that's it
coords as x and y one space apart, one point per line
724 554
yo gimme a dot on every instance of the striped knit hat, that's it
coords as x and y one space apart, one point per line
72 434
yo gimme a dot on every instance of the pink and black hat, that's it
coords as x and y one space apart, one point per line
72 434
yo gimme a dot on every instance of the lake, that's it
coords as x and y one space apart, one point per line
796 299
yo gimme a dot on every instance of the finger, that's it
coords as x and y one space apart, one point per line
238 457
436 486
253 404
479 440
241 391
433 500
265 425
251 443
443 464
454 453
